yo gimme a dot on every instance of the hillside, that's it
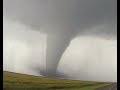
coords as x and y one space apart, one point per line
15 81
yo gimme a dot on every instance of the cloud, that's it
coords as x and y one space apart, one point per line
61 21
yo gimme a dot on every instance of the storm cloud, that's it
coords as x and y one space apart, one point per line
62 21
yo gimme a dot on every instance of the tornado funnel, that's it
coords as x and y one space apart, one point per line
56 45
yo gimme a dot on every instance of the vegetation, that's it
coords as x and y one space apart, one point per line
15 81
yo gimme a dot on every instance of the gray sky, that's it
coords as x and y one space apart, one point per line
61 16
25 21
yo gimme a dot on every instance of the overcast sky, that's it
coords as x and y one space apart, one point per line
61 16
90 26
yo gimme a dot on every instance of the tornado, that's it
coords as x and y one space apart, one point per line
55 49
62 20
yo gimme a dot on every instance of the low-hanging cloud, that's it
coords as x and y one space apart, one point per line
87 57
61 21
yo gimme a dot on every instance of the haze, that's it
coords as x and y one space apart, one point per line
61 21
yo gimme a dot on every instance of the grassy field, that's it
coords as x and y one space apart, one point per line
14 81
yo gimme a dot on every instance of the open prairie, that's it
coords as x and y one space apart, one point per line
15 81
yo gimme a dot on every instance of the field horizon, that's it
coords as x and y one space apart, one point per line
18 81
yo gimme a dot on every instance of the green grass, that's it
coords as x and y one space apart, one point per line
15 81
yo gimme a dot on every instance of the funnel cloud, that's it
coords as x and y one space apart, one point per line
62 21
